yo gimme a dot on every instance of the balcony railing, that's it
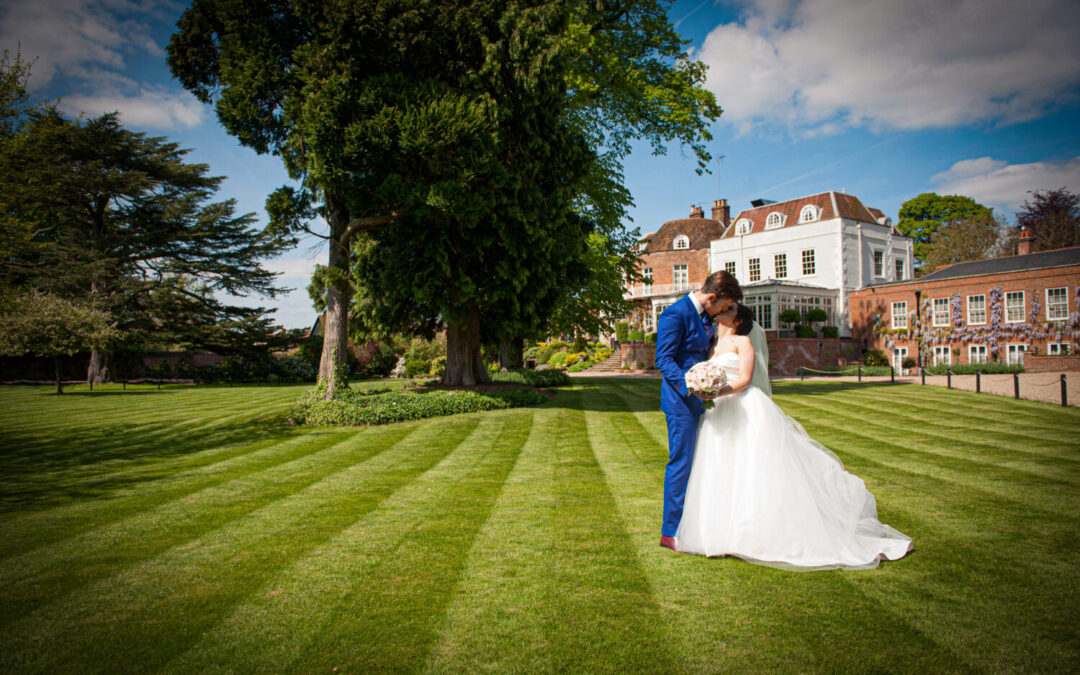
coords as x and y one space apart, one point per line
652 290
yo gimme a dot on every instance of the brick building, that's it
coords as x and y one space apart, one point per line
675 261
977 311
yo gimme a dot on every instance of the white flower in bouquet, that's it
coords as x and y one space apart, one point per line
706 377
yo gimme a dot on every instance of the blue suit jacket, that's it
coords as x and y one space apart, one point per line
681 341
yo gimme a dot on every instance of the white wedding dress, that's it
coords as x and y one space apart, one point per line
762 490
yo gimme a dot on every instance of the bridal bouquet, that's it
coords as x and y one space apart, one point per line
706 377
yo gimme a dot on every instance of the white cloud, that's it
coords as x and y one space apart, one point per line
150 108
293 271
819 66
66 36
997 183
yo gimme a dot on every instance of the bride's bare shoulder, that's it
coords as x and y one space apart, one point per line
743 342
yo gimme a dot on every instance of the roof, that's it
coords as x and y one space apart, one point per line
700 231
829 204
1061 257
784 282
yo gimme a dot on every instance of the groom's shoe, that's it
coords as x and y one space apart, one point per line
668 542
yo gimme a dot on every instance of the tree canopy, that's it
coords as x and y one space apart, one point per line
921 217
1052 217
976 238
95 211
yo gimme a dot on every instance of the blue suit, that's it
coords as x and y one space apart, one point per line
682 340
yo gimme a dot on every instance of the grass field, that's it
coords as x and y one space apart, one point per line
191 530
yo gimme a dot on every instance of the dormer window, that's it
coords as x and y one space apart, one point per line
643 245
742 226
681 241
808 214
774 221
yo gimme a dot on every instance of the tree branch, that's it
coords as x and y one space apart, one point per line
362 224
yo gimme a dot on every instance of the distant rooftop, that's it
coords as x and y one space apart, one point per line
1061 257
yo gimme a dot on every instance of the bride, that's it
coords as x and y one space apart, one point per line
762 490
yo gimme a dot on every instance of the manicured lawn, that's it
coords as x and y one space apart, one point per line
190 530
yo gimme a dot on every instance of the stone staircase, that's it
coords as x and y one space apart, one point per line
610 364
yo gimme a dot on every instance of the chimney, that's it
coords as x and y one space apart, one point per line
696 212
1023 247
721 211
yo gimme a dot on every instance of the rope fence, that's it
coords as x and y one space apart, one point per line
1060 381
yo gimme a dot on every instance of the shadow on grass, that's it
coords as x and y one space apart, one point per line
38 470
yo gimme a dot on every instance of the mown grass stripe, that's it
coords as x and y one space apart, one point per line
390 572
748 596
970 465
122 497
167 602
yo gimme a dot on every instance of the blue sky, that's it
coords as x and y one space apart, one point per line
883 99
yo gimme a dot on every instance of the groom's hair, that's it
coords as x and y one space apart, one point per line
723 284
744 317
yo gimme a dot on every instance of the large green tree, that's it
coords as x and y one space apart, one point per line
976 238
921 217
97 211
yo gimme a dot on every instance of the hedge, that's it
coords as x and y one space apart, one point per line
533 378
401 406
970 368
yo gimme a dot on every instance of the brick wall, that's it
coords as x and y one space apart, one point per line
1048 364
662 262
635 353
787 355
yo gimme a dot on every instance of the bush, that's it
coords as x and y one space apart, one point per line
579 344
292 369
558 359
970 368
804 331
909 362
622 329
533 378
816 315
400 406
875 357
399 368
414 367
650 338
381 363
830 331
544 354
438 366
558 344
578 367
570 360
420 349
790 316
636 336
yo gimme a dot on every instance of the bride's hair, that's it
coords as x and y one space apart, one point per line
744 320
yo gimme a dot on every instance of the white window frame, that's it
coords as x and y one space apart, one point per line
1008 315
646 278
808 214
898 356
681 239
780 265
774 220
812 260
753 271
936 313
902 323
901 268
1055 348
1014 352
879 263
942 355
970 322
675 282
730 267
762 306
977 353
1063 305
742 226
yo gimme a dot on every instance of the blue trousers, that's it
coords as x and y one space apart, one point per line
682 438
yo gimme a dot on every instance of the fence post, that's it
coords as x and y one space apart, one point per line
802 374
1064 391
892 374
860 372
90 381
924 375
978 382
125 385
1016 386
948 373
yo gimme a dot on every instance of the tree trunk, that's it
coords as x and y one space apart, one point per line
504 355
464 365
100 368
517 353
59 382
338 298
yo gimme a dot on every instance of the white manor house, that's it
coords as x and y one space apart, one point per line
804 253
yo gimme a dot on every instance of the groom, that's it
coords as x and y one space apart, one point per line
683 337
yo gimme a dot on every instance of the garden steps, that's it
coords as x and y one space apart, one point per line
611 363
